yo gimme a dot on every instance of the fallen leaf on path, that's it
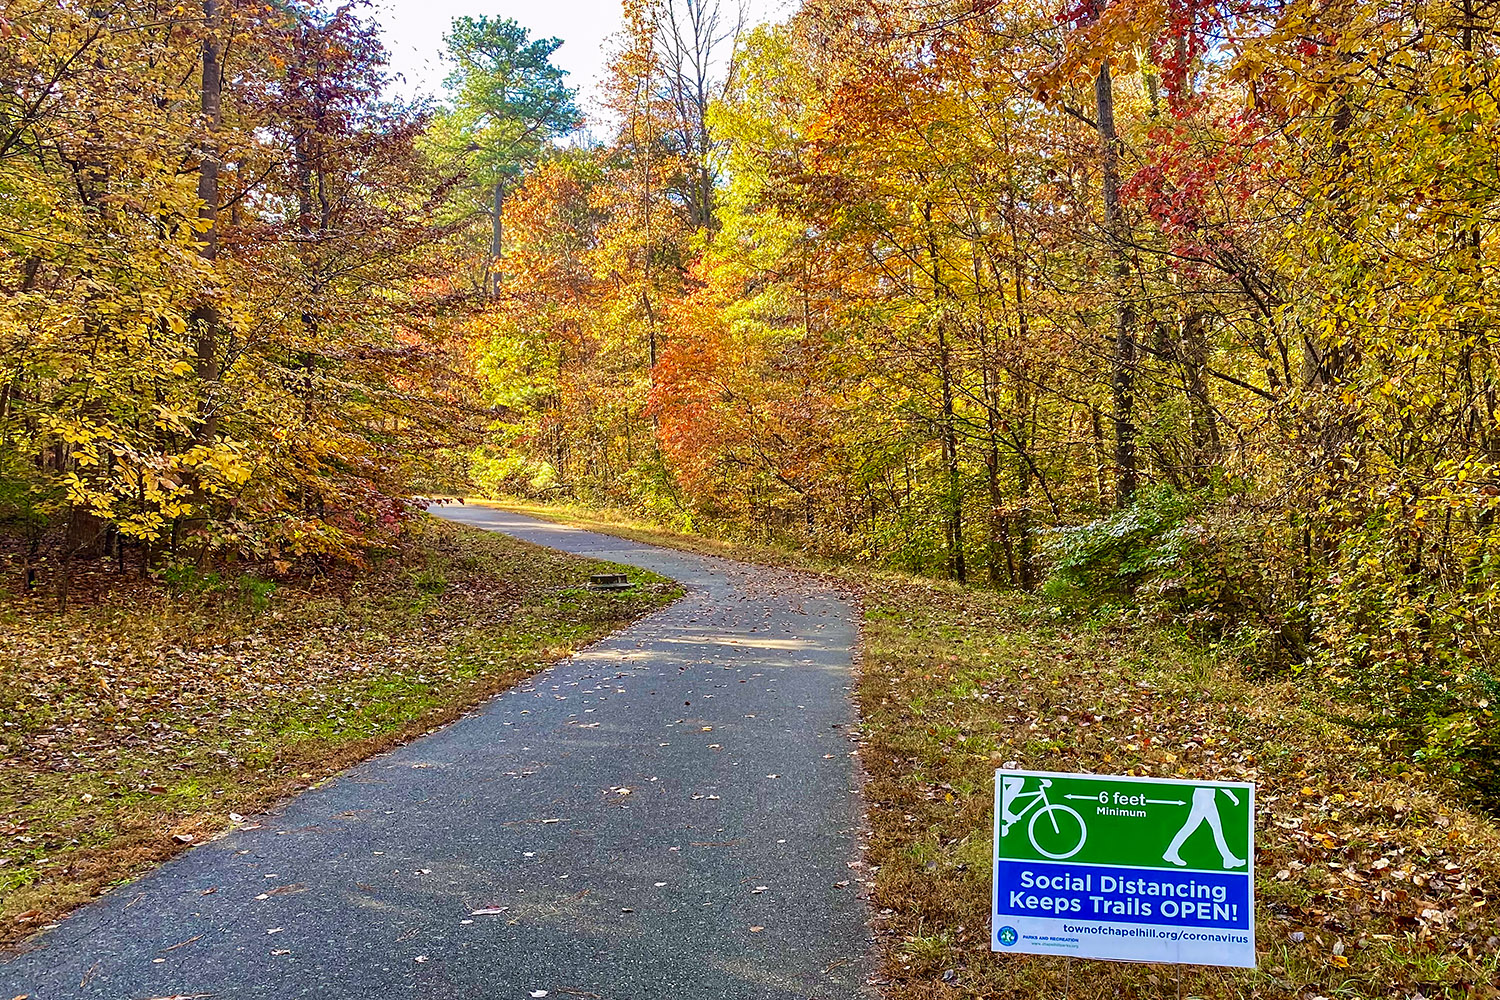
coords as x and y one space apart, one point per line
488 911
284 890
756 930
181 944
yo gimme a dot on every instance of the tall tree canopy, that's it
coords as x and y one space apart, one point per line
230 322
1183 306
508 103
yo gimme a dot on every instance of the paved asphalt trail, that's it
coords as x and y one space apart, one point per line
724 715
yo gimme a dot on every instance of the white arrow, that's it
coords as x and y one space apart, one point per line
1149 802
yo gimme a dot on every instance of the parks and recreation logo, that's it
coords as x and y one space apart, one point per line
1007 936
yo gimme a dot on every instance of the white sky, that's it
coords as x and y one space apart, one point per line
413 31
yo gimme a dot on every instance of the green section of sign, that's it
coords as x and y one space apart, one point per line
1139 823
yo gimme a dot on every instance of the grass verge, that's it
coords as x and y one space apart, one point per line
1374 879
136 726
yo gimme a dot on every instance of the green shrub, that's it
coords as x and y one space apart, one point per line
249 591
187 578
1210 562
1114 559
255 593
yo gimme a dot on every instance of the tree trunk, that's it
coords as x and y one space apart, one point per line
1021 405
204 319
1203 424
498 219
998 544
947 420
205 315
950 459
1122 382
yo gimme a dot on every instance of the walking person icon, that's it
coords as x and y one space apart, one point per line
1205 809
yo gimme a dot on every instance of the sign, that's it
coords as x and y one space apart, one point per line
1130 869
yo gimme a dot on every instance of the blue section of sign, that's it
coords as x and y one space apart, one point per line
1123 895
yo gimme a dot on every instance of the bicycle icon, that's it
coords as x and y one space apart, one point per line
1064 832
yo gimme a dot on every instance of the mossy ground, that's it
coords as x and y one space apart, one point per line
136 725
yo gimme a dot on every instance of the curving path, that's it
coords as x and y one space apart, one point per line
670 813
